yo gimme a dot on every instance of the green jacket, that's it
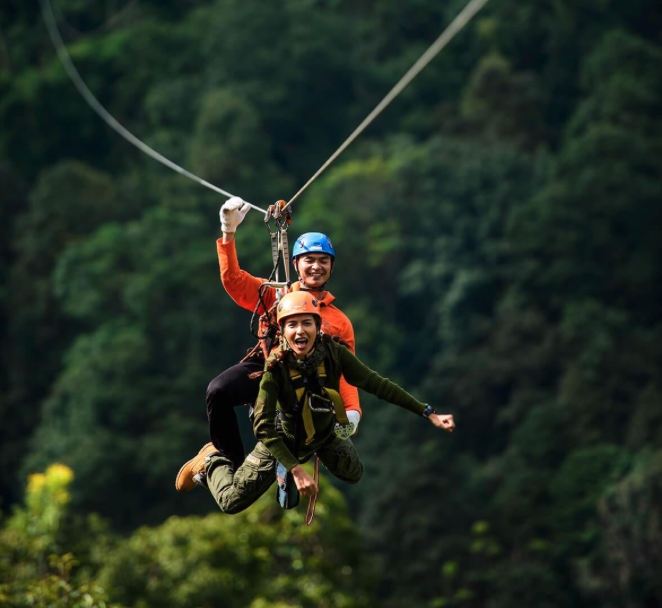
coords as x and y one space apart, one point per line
277 394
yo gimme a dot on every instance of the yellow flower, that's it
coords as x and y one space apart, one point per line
36 483
59 474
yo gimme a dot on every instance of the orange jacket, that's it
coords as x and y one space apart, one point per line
243 289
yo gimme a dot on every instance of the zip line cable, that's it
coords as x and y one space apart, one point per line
462 19
446 36
70 68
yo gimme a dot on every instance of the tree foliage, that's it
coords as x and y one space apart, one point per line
498 249
261 558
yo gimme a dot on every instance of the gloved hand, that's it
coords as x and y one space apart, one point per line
354 417
232 213
343 431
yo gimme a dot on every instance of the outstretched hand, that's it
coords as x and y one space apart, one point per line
443 421
305 483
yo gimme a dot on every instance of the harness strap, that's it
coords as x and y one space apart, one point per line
274 250
299 382
309 402
308 424
286 255
338 405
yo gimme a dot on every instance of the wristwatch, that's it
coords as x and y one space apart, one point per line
428 410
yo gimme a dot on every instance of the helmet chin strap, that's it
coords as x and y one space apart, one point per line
302 286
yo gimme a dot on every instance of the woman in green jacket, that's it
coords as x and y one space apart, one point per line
299 413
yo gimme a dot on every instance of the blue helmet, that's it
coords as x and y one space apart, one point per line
313 242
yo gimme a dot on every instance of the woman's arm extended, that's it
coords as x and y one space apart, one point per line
360 375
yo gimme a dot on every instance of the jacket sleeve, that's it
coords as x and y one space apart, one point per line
241 286
349 393
264 423
358 374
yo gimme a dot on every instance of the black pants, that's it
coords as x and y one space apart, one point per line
231 388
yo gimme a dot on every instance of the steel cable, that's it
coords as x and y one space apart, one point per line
72 72
435 48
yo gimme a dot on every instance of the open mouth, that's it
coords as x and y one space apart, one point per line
301 342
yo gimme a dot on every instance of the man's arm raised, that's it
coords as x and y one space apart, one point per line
240 285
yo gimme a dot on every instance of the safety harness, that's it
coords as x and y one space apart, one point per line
308 401
311 396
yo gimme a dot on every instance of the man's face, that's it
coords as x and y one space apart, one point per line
314 269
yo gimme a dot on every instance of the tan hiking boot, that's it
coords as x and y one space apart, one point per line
193 472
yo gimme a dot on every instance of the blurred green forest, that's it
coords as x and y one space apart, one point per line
499 253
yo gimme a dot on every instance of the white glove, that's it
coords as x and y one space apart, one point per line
345 431
232 213
354 417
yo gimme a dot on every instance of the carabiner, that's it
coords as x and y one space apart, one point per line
267 218
325 407
281 215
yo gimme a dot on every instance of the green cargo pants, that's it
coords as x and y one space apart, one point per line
237 490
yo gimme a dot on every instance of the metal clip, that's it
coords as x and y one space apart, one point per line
267 218
282 216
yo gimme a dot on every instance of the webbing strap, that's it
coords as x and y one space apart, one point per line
308 424
298 382
338 405
305 397
274 252
286 254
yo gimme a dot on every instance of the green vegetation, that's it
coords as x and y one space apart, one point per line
262 558
499 254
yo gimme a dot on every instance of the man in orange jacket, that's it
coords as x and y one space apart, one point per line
313 257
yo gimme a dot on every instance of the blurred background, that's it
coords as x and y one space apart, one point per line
499 246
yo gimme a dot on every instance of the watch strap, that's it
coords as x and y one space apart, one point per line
428 410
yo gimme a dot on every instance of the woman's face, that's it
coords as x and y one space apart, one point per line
300 332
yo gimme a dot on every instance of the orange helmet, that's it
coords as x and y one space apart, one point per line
297 303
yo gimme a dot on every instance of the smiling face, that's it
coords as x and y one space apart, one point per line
300 332
314 269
